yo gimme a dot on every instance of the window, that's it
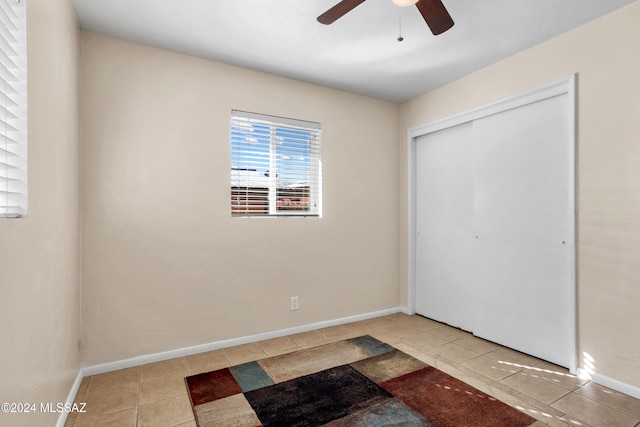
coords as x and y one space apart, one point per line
13 111
275 166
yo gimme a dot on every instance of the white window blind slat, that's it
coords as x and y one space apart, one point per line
275 166
13 107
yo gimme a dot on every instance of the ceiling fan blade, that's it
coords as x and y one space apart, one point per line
435 15
338 11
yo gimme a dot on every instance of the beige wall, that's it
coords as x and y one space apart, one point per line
605 54
165 266
39 255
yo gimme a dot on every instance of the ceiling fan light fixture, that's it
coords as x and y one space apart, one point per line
404 3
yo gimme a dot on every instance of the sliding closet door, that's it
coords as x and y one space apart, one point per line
523 213
444 226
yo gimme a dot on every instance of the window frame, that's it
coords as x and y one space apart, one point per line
262 143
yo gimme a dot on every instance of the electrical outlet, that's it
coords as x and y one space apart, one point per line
294 303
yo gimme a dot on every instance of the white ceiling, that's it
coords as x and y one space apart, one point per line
359 52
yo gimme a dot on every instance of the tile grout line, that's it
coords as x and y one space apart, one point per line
601 403
562 397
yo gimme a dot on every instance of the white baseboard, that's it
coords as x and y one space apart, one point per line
201 348
407 310
610 382
70 398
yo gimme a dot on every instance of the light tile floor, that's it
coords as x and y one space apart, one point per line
155 394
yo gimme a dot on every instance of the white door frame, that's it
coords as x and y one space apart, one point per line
561 86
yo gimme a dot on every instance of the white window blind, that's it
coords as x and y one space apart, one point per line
13 109
276 166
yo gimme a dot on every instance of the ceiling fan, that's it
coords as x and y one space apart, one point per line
433 12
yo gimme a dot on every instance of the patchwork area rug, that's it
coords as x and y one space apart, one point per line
356 382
